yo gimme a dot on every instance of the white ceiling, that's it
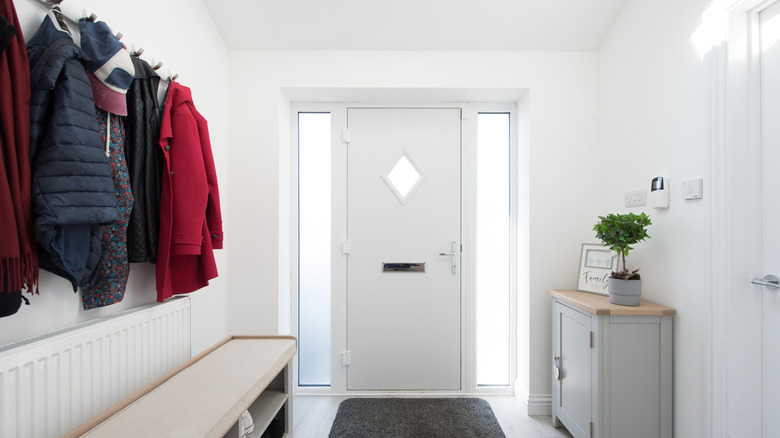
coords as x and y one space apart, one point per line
446 25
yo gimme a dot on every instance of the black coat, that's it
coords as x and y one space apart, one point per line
73 191
144 164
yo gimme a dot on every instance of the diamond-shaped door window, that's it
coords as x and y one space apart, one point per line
404 178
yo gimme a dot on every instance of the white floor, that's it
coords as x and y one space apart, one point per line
313 416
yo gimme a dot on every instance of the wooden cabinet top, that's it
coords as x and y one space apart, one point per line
600 305
203 397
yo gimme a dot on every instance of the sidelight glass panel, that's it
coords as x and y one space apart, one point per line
314 237
493 249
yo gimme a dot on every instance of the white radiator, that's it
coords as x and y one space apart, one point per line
52 383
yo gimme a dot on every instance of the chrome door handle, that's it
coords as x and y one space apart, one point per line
768 280
454 254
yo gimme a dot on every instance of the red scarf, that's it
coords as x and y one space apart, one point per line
18 258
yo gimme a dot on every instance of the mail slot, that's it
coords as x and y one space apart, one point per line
403 267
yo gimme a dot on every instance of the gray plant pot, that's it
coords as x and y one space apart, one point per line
624 292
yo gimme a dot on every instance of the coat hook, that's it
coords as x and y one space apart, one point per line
175 76
158 65
92 17
138 52
119 35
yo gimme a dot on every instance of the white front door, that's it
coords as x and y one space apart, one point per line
769 20
403 263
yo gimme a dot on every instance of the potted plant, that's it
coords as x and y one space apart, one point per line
619 232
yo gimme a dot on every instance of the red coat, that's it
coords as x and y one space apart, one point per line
190 216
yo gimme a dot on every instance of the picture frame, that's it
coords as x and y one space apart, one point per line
596 264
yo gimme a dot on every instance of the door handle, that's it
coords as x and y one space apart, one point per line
770 280
454 255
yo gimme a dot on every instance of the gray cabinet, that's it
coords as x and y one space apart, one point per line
612 367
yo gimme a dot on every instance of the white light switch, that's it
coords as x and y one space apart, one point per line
636 198
692 188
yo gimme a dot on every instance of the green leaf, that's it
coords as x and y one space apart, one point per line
620 231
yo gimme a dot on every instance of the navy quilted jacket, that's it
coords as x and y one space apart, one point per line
72 190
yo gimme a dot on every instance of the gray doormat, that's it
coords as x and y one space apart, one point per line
415 417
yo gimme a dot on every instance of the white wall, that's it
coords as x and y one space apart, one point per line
600 124
564 168
655 121
181 34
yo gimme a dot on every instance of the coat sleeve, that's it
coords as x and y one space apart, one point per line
188 182
213 209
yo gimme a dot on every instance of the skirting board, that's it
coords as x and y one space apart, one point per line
536 404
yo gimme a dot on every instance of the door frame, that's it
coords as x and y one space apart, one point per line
736 315
469 113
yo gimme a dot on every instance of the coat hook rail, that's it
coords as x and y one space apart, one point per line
69 11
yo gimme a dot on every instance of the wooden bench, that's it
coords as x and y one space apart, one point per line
205 396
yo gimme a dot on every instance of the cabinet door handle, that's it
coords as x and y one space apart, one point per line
557 368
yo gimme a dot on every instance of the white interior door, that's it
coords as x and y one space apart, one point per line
769 20
404 210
